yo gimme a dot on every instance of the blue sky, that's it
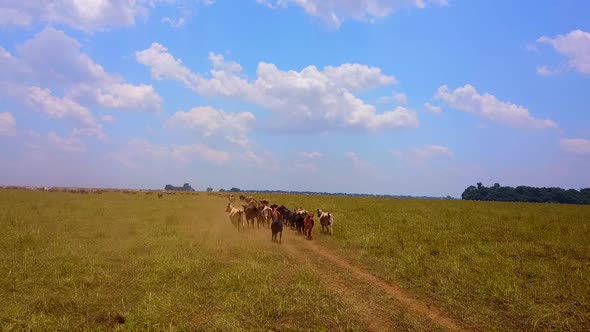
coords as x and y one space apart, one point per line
419 97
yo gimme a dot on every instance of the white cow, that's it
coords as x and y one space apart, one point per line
265 213
326 220
236 216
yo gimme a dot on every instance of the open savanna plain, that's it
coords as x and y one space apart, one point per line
122 261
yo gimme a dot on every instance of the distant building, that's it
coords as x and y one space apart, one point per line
185 187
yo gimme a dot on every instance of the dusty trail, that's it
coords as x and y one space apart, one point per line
372 316
411 303
380 305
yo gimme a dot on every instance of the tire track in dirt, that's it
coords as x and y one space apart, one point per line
395 291
343 278
372 317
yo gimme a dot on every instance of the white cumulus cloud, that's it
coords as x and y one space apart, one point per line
53 58
335 12
575 46
13 68
467 99
85 15
56 58
432 108
322 99
209 121
179 21
41 100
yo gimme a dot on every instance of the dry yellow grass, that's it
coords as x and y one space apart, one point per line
71 261
136 262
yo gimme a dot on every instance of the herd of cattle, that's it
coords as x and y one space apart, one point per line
275 216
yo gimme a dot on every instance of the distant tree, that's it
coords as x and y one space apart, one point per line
470 193
526 194
221 190
209 189
185 187
235 190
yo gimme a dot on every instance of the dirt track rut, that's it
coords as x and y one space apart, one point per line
395 291
380 305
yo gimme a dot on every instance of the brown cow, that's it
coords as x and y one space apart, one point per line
308 223
252 213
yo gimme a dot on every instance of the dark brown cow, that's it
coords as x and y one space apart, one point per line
276 225
251 212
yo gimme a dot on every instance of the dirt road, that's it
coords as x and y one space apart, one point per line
380 305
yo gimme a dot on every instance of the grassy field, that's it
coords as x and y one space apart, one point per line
135 262
72 261
493 266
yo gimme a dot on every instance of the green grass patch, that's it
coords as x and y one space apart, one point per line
494 266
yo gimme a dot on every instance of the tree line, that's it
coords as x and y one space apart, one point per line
324 193
526 194
185 187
